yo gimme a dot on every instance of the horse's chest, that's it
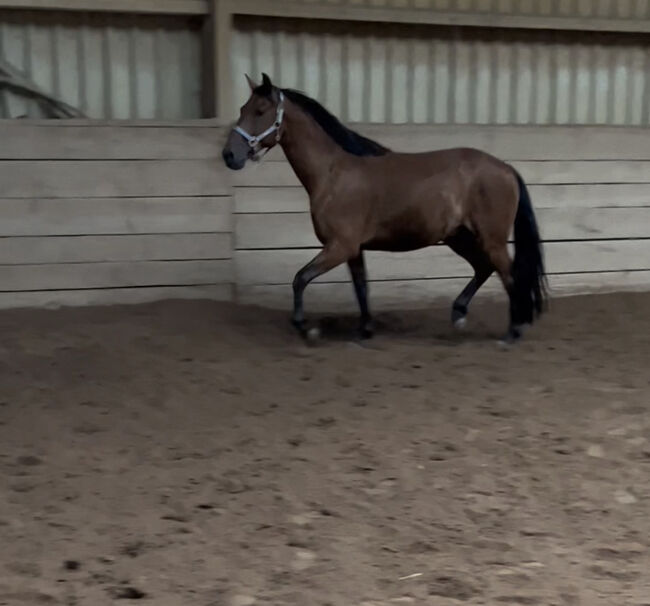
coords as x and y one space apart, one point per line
328 218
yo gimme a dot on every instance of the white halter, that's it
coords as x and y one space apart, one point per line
255 141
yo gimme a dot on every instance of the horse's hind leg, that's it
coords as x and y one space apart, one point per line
503 264
465 244
357 268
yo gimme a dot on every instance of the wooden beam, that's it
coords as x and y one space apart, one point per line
209 63
113 178
313 10
58 217
217 83
159 7
23 140
115 248
223 86
71 276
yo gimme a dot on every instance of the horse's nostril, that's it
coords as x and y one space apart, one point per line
228 156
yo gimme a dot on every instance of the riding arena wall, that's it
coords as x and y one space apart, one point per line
129 213
116 209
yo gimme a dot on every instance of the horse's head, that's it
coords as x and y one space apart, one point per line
259 127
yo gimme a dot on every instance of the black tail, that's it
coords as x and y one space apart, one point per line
529 280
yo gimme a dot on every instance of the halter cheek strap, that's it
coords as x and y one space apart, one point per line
255 141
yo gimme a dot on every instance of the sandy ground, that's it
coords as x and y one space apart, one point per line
190 453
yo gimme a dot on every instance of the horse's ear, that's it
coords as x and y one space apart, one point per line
266 88
252 84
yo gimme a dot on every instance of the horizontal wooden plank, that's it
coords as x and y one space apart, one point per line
511 143
25 141
266 174
270 199
158 7
112 296
282 230
280 266
295 199
295 230
383 14
586 195
518 143
591 171
200 139
81 216
542 172
105 179
194 123
113 275
92 249
339 297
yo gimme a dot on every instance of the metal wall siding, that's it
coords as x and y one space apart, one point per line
402 74
109 66
615 9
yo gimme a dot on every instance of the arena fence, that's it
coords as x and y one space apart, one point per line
106 213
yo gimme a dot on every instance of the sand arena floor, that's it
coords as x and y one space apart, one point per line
192 453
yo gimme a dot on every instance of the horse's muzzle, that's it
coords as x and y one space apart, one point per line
231 162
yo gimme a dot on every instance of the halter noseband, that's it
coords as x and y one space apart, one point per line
255 141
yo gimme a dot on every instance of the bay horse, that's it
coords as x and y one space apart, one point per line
364 196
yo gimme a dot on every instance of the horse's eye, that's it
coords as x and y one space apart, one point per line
259 112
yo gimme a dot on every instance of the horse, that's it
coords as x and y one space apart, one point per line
364 196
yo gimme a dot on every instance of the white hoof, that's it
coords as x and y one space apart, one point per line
460 324
313 334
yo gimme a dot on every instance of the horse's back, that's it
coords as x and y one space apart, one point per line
440 160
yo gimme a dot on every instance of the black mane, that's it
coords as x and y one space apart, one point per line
350 141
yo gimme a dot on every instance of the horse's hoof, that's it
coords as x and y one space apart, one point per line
460 323
312 335
512 337
366 333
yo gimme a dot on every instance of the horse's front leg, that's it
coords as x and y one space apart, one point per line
330 257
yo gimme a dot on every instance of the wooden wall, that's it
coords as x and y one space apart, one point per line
590 188
106 214
99 214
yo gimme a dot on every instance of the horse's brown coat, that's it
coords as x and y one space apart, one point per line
394 202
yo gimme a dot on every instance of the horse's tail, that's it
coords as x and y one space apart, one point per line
528 274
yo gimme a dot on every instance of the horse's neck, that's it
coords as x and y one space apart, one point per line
309 149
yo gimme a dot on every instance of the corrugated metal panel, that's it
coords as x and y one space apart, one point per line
109 66
398 74
618 9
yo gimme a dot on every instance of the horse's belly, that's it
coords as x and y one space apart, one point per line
409 230
399 242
